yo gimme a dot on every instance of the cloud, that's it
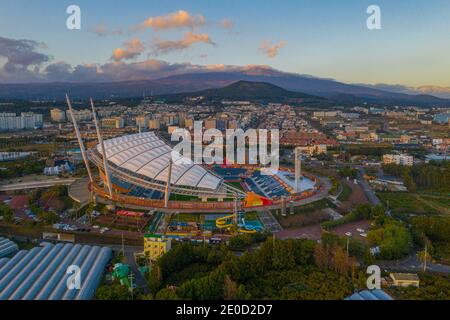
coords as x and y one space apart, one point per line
441 92
102 31
133 48
190 38
227 24
22 60
22 53
149 69
437 91
271 50
59 71
178 19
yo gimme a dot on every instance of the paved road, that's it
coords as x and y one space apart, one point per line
370 194
413 264
35 184
138 279
269 221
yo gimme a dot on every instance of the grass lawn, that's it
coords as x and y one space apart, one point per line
47 147
404 202
183 197
346 192
186 217
235 184
307 208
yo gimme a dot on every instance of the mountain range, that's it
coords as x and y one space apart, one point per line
335 91
247 90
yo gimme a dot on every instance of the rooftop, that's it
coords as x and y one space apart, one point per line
148 155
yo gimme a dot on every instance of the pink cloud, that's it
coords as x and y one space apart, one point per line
271 50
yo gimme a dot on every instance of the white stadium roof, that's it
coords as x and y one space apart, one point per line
146 154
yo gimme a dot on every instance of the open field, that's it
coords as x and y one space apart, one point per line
355 197
47 147
404 202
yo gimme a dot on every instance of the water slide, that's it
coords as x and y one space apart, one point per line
225 222
228 221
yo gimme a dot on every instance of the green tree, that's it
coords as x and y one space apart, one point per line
7 213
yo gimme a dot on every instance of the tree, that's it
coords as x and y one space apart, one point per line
114 291
409 182
340 261
230 288
320 256
7 213
168 293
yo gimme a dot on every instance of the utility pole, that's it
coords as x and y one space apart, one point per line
123 248
425 258
131 285
348 240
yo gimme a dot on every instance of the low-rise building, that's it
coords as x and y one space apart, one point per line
399 159
155 245
313 149
58 115
116 122
405 279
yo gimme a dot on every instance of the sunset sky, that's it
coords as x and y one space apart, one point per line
155 38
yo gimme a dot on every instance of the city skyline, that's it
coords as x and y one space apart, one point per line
157 39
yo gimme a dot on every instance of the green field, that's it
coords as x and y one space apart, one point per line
237 185
403 202
346 192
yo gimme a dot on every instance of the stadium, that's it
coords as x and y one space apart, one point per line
140 171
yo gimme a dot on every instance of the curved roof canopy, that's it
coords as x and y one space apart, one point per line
146 154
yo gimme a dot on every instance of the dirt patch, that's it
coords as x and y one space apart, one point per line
18 204
357 196
313 232
303 219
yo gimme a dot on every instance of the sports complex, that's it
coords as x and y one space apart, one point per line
140 171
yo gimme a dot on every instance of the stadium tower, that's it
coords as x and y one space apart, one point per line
298 168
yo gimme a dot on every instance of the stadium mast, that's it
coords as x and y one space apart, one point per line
298 168
80 140
102 146
167 191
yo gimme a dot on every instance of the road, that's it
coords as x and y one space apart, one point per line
370 194
35 184
129 259
412 264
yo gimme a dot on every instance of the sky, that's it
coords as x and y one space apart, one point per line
121 40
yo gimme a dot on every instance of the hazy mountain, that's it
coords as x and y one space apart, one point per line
190 82
327 88
247 90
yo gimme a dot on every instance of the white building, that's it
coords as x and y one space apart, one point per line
31 120
142 122
80 115
399 159
115 123
26 120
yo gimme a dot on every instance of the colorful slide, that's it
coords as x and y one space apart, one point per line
225 222
228 221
